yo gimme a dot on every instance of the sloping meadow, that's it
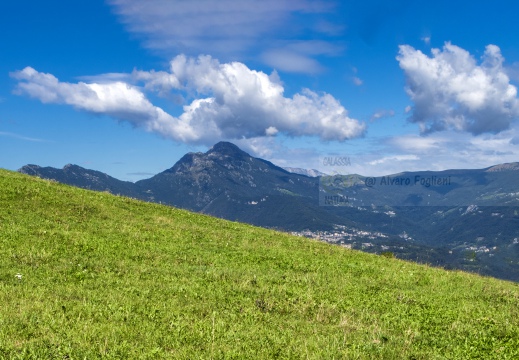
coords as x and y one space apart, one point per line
88 275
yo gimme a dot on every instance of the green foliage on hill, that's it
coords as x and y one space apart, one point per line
87 274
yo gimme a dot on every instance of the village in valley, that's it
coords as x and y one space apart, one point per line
380 243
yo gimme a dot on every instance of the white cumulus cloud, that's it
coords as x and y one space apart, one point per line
450 90
230 102
116 99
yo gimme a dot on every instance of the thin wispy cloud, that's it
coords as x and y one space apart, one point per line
275 31
21 137
382 114
393 159
357 81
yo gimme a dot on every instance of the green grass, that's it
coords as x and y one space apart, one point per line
111 277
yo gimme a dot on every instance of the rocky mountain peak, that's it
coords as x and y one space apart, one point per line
29 169
222 152
224 148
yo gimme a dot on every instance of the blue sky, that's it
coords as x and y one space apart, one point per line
127 87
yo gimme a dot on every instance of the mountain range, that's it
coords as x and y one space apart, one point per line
464 219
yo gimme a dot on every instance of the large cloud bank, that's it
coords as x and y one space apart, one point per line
230 101
450 90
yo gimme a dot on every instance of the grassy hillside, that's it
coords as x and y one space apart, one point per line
88 275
